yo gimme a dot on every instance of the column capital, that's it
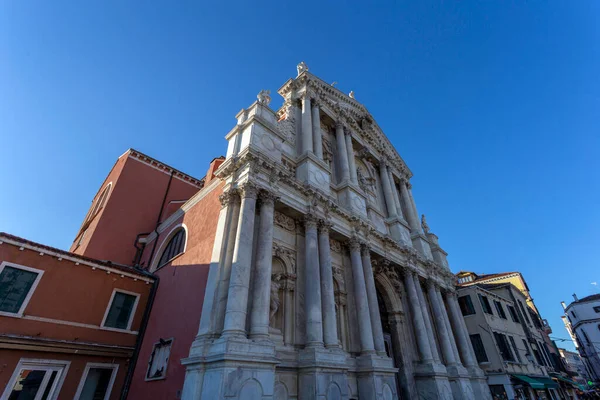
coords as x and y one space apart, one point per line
324 226
316 102
229 197
249 190
268 197
354 244
310 221
339 124
365 249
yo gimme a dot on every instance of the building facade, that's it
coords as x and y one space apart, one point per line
582 320
69 324
575 366
322 282
508 347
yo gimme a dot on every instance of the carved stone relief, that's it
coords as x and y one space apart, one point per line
284 221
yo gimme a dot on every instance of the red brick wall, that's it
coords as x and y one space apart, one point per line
73 293
10 359
133 207
178 303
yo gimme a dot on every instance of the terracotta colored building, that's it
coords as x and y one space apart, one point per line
69 324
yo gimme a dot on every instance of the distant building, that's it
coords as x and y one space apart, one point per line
508 344
575 366
69 324
582 320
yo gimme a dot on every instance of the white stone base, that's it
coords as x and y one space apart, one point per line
314 172
460 383
376 378
353 199
432 382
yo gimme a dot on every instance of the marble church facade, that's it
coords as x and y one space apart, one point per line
324 283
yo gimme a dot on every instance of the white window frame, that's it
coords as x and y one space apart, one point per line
133 310
86 371
40 272
39 364
166 366
163 246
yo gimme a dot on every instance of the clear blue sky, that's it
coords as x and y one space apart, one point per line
494 105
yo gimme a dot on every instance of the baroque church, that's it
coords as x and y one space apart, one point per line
323 282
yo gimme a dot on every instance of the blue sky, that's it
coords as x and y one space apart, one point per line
494 105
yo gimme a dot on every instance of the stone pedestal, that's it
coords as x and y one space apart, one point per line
439 255
398 230
479 384
376 378
322 374
421 244
352 198
232 368
460 383
314 172
432 382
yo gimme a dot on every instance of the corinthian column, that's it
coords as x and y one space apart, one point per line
448 326
314 316
239 283
351 161
395 195
316 128
460 330
342 153
413 218
360 297
330 333
223 288
259 315
372 299
417 315
307 134
387 190
427 319
443 334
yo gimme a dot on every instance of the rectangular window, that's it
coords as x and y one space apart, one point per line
535 318
536 353
515 349
503 346
477 344
97 381
17 284
597 309
525 316
500 309
119 314
466 305
36 379
159 360
527 352
485 304
513 314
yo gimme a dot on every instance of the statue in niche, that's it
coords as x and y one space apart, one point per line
424 224
301 67
264 97
275 301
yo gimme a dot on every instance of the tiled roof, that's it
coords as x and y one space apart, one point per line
125 268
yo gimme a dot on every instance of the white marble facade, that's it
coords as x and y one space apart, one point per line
324 284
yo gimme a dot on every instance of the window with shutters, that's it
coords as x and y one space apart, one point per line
97 381
174 247
485 304
503 347
17 284
159 360
121 309
514 347
500 309
513 314
466 305
479 348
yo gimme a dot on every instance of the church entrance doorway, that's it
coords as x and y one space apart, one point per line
390 349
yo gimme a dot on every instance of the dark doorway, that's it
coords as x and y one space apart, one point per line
391 351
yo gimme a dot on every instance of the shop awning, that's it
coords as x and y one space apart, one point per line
537 383
566 380
530 381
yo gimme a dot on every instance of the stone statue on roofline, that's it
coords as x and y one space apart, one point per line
301 67
424 224
264 97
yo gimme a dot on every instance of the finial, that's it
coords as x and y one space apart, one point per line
351 94
424 224
264 97
302 67
334 83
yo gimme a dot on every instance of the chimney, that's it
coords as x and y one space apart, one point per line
562 303
214 165
575 297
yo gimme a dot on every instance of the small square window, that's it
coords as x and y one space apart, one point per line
466 305
597 309
159 360
119 314
17 284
